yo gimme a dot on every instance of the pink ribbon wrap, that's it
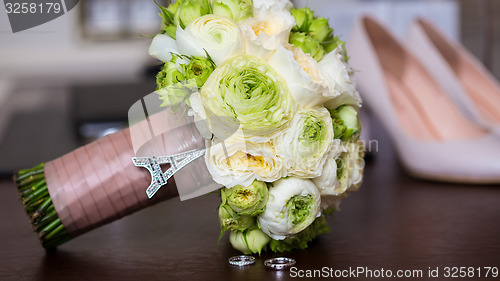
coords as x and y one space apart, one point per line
98 183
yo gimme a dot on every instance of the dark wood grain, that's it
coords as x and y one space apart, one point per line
393 222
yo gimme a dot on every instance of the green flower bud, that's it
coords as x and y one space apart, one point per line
303 19
249 242
308 44
174 83
332 42
238 10
189 10
199 69
319 29
229 220
248 200
174 6
169 75
346 124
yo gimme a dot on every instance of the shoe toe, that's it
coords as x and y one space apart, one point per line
464 161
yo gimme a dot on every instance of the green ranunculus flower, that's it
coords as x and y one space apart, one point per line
308 44
169 74
250 241
230 220
303 19
319 29
238 10
248 200
346 124
199 69
250 92
305 144
189 10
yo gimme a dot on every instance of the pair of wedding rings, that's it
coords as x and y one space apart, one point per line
280 263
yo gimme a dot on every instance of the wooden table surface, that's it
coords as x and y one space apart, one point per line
394 222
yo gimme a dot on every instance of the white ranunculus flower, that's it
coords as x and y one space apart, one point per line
308 85
327 181
292 206
162 47
348 173
306 142
356 163
340 77
219 36
237 162
269 27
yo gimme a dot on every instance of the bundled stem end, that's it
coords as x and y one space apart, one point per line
34 195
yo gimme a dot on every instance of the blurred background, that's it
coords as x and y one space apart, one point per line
73 79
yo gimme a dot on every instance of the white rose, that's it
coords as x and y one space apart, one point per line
340 77
292 206
219 36
307 83
268 28
237 162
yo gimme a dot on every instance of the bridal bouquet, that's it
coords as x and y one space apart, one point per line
275 100
275 115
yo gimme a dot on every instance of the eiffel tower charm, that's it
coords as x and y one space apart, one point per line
160 178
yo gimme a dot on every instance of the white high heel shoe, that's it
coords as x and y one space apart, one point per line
467 81
434 140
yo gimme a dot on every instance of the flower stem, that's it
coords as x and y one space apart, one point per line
35 196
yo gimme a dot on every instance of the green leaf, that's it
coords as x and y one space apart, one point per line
166 16
301 239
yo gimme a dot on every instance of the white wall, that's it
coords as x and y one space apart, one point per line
55 50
